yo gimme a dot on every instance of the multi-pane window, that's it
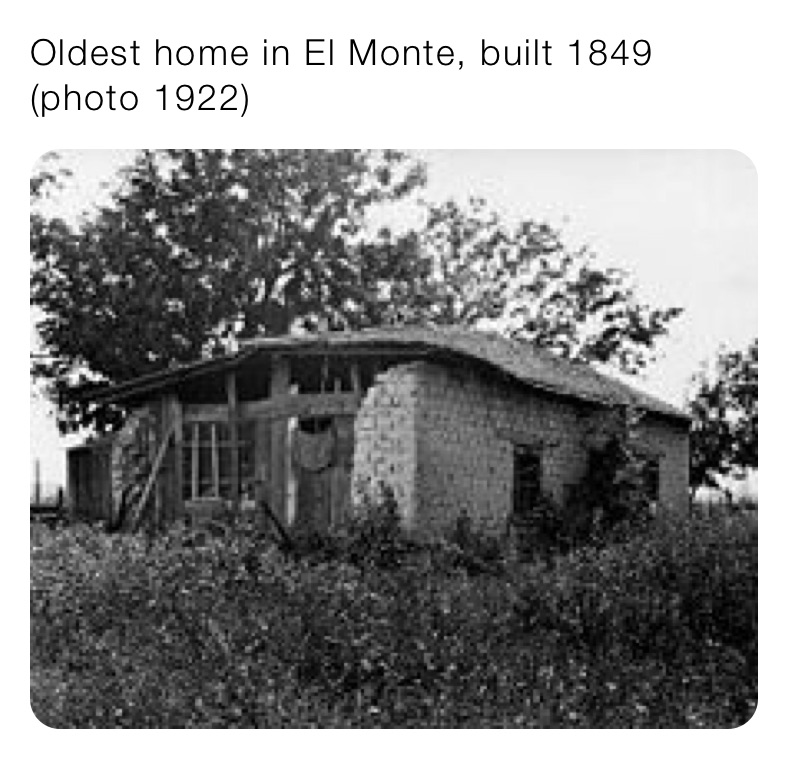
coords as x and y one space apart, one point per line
208 456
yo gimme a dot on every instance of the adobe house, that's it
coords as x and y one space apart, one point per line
295 429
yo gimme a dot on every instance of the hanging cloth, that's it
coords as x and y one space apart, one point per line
314 451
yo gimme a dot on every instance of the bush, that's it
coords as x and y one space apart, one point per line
607 505
543 530
374 534
682 594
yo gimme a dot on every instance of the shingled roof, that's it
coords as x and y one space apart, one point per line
517 359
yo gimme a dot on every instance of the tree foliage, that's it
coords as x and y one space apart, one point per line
525 280
724 408
200 247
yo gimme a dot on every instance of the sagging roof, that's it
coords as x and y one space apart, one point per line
519 360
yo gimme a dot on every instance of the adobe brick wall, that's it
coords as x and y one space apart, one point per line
671 445
385 439
443 439
468 428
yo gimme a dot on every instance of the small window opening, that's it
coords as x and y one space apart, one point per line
527 484
315 425
650 475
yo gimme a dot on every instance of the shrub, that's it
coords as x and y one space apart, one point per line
374 535
608 504
469 548
681 579
542 531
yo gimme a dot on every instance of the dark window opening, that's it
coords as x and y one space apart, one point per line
527 482
208 388
321 374
650 473
253 380
315 425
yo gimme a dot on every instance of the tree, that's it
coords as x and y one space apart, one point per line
201 247
47 176
524 280
724 408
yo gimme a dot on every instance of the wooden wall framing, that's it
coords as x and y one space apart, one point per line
168 493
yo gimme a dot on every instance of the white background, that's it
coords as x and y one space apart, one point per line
716 80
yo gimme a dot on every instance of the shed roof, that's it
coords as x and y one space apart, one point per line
517 359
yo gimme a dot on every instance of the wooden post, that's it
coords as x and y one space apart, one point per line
195 454
214 460
355 379
173 417
72 475
262 468
277 470
37 496
235 458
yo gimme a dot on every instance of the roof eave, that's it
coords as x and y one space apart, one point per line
138 388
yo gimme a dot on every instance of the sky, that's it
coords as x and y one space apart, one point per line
683 223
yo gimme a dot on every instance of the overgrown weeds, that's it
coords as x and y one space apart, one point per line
659 630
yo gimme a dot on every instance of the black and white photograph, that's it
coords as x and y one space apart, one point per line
367 438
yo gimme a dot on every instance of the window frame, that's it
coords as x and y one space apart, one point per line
207 445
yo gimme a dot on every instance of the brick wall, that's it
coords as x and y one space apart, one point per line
671 446
468 428
385 439
443 439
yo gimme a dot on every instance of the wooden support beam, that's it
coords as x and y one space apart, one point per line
72 477
37 492
279 394
235 458
281 407
195 454
205 412
173 417
284 536
214 461
355 379
262 469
